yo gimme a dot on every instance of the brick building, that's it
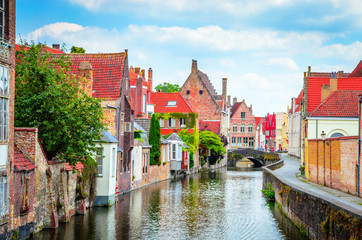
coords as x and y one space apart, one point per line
140 92
201 95
107 75
316 88
7 93
242 126
270 132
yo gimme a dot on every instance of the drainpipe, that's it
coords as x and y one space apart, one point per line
117 117
359 145
316 130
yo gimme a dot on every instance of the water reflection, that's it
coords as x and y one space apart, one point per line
215 205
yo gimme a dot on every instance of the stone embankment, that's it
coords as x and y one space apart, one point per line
319 212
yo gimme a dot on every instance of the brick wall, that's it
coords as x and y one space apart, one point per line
236 120
332 162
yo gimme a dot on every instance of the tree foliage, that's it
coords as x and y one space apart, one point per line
168 87
48 98
210 140
75 49
154 137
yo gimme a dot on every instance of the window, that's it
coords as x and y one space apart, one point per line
127 127
233 141
2 19
235 128
251 142
188 92
245 143
171 103
4 102
179 152
201 92
242 115
25 202
171 122
3 197
144 104
182 121
114 162
144 163
99 158
162 122
164 154
250 128
121 163
242 128
173 151
239 141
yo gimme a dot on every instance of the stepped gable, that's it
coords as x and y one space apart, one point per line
234 108
205 79
108 69
341 103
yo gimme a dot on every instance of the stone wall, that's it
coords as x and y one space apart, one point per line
314 215
333 163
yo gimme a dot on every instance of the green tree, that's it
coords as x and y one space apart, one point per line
210 140
48 98
155 140
75 49
168 87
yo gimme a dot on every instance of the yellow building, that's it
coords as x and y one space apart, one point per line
285 130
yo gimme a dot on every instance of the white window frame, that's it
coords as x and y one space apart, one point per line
242 128
4 197
144 103
114 162
4 103
174 151
233 141
235 128
250 128
2 14
99 159
162 122
164 154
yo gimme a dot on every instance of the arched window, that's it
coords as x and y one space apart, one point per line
337 134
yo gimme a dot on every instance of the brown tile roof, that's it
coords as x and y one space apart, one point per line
22 163
357 72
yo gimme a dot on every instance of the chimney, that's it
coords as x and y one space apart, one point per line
234 100
131 69
194 66
327 89
309 70
85 77
149 81
229 100
143 74
137 70
56 46
224 91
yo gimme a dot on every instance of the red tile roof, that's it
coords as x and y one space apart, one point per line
49 49
357 72
79 166
133 78
341 103
257 120
213 126
107 72
161 100
22 163
234 108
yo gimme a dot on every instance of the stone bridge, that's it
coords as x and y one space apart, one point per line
255 156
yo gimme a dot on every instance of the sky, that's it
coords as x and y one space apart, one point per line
262 47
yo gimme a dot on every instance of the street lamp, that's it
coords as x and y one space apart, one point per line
323 135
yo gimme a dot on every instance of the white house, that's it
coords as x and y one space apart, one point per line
336 116
177 159
294 119
107 165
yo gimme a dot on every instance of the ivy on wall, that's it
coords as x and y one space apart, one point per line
190 118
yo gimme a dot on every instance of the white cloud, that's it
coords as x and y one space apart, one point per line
284 62
56 30
352 51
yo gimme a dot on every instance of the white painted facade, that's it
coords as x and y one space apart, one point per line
137 158
279 118
330 126
106 179
294 134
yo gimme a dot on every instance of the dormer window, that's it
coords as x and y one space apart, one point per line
171 103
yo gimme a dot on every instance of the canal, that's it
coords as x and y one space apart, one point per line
225 204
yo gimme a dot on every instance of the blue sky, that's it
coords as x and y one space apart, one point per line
262 47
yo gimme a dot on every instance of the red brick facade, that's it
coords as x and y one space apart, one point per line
242 126
200 94
270 132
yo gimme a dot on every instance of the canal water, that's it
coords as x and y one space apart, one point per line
225 204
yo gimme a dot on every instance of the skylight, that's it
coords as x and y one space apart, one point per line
171 103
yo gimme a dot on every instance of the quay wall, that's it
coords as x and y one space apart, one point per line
317 216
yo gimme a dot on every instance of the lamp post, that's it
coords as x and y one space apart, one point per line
323 135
